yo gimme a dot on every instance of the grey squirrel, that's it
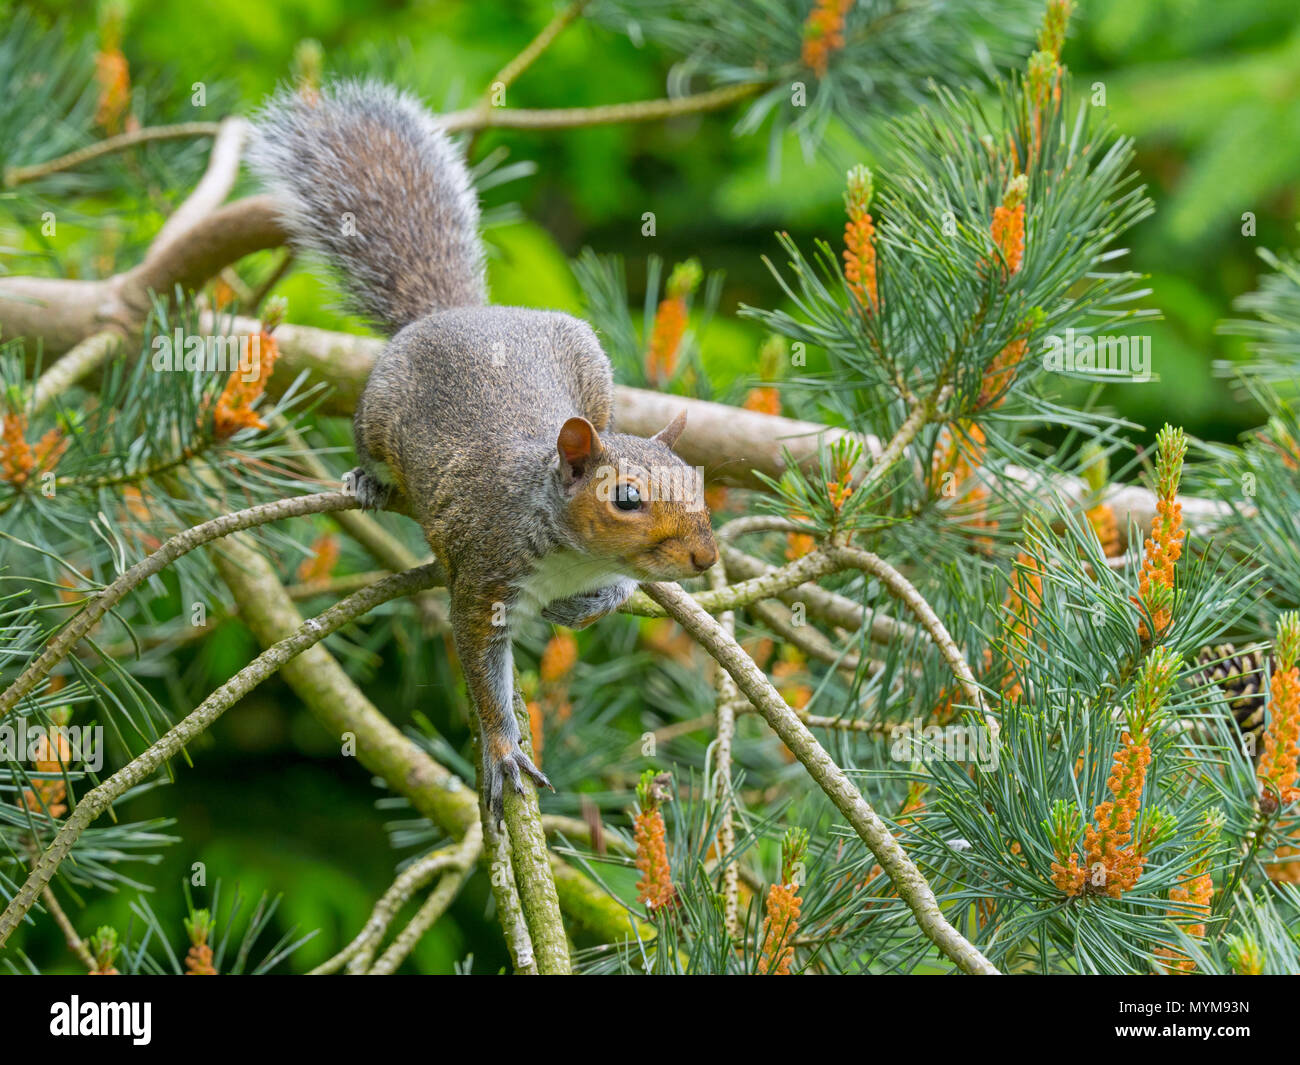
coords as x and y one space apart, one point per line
493 422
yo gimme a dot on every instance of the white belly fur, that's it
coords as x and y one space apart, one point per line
560 575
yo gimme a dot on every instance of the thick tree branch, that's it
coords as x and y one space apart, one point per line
532 867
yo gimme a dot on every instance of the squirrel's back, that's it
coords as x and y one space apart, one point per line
366 178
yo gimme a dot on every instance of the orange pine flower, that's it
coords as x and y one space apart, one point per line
318 566
1108 844
16 458
1277 771
49 449
536 729
112 73
222 294
1165 544
1051 38
655 888
788 674
663 636
823 33
1104 523
1099 515
308 67
1000 371
780 924
781 911
1244 955
670 322
844 458
959 453
559 657
1008 227
198 961
772 355
860 240
53 755
1114 857
1020 608
234 409
114 77
798 544
1194 895
764 400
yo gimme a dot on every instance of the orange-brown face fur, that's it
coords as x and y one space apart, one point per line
662 530
663 539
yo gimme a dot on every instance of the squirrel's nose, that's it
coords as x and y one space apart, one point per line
704 557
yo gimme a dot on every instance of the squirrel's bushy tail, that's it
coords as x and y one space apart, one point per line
368 180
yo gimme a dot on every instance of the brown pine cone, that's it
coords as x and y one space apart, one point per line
1240 675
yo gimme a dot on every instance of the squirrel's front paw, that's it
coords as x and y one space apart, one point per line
510 766
370 492
575 613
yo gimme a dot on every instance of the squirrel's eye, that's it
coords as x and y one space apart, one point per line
627 497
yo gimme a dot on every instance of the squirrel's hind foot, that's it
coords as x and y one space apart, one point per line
368 489
511 766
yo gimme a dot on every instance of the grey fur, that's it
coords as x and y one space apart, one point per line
363 151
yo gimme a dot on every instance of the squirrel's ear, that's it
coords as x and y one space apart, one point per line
669 433
577 444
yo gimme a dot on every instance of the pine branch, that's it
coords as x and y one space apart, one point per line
425 917
359 954
558 24
725 713
213 188
908 880
17 175
180 544
903 590
100 798
341 707
530 860
487 117
808 568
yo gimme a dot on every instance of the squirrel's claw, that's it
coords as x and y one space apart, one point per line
370 492
513 766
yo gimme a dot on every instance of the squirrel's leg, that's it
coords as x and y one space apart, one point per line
579 611
485 655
